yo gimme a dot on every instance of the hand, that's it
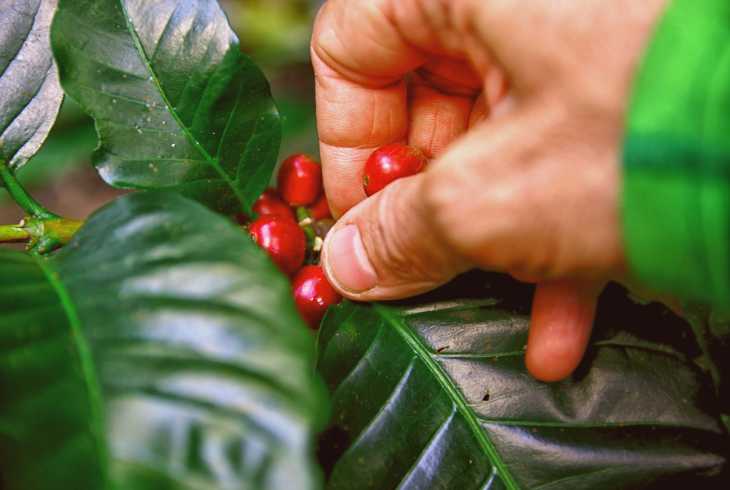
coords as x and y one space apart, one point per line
521 104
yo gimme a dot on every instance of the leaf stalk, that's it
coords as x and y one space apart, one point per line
32 207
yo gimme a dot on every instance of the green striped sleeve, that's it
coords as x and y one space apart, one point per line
676 196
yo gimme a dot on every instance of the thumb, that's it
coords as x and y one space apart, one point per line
386 247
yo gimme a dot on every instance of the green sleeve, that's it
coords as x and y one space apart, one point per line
676 196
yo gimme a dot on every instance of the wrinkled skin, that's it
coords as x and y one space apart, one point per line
521 105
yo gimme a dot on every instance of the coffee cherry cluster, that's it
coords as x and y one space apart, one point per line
290 225
292 220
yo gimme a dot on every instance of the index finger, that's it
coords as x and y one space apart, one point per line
359 61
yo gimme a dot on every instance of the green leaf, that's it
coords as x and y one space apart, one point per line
159 349
176 104
434 394
30 95
712 332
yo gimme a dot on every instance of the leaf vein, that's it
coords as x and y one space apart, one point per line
434 437
84 354
155 79
24 108
25 40
164 31
442 378
383 410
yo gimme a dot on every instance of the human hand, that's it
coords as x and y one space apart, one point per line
522 105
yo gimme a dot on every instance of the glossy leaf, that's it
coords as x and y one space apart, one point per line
434 394
176 104
160 349
30 94
712 331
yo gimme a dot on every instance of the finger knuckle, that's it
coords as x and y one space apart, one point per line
442 197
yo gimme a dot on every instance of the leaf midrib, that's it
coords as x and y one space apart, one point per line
86 361
452 391
188 135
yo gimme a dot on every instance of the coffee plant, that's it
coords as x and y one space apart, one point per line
155 345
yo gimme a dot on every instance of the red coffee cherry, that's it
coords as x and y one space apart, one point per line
320 209
300 180
313 294
283 240
269 204
389 163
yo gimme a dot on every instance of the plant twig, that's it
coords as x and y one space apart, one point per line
20 195
13 233
41 229
42 235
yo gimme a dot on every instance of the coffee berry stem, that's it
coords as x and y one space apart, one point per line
314 242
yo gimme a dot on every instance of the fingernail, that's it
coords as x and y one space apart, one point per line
348 262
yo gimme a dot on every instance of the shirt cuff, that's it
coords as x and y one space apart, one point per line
676 195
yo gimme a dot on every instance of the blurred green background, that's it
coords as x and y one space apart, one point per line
275 33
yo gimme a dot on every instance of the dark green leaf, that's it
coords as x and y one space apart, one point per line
712 331
160 349
176 104
434 395
30 94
